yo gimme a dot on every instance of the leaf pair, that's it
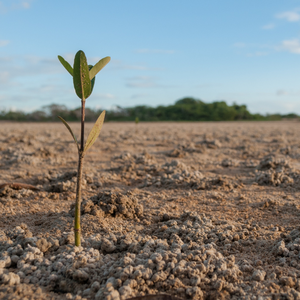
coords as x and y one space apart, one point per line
83 74
84 80
92 135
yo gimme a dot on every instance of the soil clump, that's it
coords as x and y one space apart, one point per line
193 210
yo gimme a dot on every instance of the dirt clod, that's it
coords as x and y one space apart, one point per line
193 210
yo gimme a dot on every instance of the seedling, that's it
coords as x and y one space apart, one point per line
136 123
83 81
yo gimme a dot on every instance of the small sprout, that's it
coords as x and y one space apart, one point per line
83 81
136 123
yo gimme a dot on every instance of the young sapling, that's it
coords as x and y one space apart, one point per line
83 81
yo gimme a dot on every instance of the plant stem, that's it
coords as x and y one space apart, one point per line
77 229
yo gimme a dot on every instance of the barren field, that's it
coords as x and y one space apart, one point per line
195 210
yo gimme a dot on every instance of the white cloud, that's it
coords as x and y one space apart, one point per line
25 4
275 106
269 26
9 5
4 76
14 67
281 92
292 46
155 51
4 43
252 49
290 16
290 107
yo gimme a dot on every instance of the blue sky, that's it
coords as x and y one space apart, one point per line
246 52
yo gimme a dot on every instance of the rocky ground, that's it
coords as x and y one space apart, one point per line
196 210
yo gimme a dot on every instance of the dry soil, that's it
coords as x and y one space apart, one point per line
196 210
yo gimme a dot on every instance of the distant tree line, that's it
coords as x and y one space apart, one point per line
186 109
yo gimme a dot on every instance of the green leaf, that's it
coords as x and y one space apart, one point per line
99 66
93 80
70 130
66 65
94 132
81 78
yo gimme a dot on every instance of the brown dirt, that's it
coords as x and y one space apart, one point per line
242 172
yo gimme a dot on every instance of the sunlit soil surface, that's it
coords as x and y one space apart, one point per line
196 210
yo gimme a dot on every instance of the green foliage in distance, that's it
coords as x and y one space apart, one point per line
186 109
180 111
